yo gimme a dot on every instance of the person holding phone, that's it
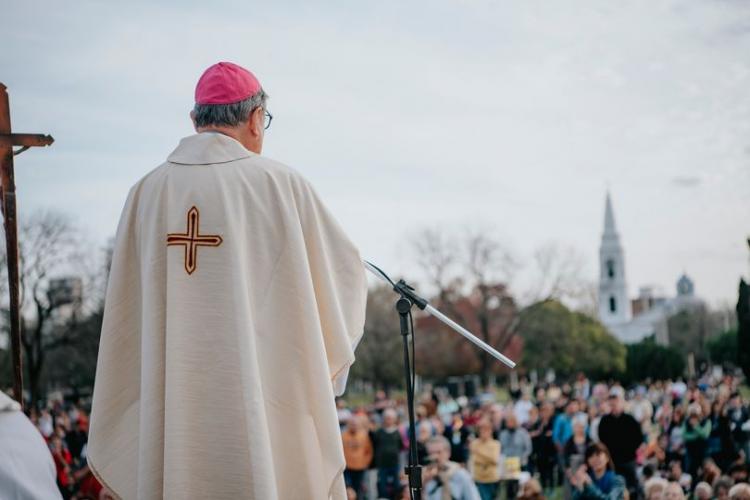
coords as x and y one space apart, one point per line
596 478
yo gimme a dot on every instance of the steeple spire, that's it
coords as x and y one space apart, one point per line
609 217
614 303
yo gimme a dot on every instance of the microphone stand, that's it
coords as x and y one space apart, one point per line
407 299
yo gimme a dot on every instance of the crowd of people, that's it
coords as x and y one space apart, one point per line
582 440
662 440
65 428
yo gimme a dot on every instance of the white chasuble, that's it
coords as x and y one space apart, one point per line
233 308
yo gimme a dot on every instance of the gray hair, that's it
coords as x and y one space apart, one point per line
740 491
228 115
440 440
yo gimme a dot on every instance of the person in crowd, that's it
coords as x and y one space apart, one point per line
388 446
677 475
63 462
575 447
696 431
447 406
604 409
444 479
739 417
357 453
531 490
424 432
675 431
515 440
703 491
543 446
457 434
497 414
515 444
673 491
561 432
642 409
484 452
596 478
522 408
530 424
623 437
710 471
575 450
739 472
731 450
582 387
46 423
653 489
740 491
721 487
77 437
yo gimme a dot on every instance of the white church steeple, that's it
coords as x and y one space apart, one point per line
614 304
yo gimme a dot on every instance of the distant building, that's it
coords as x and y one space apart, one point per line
648 314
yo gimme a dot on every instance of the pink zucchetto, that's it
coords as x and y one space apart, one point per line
225 83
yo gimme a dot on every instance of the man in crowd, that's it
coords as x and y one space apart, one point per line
445 479
388 446
622 435
562 430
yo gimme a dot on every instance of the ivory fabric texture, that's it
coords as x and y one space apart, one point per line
234 305
27 470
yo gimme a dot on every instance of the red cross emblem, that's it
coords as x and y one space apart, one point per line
192 239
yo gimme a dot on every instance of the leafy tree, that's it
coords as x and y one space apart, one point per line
647 359
567 342
689 330
722 349
380 353
743 333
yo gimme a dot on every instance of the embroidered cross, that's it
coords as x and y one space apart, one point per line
192 239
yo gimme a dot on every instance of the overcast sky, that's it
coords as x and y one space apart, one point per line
514 115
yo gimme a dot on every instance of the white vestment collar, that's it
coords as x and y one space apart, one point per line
206 148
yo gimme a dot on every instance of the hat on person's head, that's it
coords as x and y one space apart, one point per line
225 83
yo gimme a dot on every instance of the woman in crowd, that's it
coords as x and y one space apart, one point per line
485 458
695 432
596 479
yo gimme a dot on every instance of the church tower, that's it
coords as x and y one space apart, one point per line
614 304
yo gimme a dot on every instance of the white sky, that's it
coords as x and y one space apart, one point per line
515 115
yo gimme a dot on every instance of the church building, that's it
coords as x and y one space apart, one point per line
633 320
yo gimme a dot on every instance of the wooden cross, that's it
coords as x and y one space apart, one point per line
7 141
192 239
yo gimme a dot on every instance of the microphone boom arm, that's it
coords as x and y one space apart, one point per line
405 290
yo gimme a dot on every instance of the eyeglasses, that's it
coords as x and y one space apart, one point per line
267 119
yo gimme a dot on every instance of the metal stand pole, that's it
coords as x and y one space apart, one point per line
413 470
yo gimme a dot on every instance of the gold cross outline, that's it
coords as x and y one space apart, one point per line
192 239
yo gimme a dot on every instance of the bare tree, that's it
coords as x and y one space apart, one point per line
379 353
54 278
470 275
557 274
438 255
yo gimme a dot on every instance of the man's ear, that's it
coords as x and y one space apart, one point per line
192 119
256 122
